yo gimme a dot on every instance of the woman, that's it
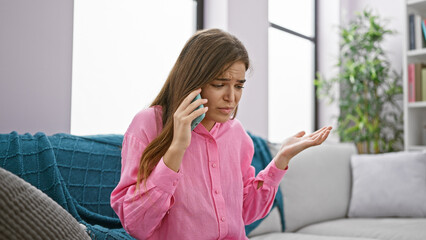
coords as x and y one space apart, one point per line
182 184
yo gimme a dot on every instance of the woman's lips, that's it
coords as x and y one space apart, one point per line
226 110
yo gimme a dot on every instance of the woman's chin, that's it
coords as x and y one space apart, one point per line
222 119
218 117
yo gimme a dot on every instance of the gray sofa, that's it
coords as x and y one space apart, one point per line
317 194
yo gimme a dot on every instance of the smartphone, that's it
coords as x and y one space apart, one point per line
197 120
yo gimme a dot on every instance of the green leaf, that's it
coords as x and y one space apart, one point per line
368 86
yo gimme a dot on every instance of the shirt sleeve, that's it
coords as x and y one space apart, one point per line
257 202
141 211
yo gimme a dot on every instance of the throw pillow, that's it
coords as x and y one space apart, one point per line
388 185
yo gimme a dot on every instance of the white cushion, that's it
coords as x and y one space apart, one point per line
388 185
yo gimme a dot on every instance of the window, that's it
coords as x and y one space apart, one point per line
122 54
291 67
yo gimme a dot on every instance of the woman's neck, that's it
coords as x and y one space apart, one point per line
208 124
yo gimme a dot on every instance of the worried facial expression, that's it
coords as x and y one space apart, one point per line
223 94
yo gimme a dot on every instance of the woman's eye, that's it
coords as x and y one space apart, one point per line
239 87
217 85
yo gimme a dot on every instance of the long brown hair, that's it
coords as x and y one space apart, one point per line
205 56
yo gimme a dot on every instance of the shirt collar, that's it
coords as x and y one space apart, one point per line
200 129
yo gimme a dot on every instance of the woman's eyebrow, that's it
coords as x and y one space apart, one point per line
228 79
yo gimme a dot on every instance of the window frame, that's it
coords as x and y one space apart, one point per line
199 15
314 40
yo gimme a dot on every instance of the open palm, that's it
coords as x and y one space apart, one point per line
313 139
299 142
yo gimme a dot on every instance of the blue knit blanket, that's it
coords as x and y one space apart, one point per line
79 173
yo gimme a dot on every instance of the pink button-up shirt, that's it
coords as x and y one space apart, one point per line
213 195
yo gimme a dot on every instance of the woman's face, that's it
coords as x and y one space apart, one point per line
223 94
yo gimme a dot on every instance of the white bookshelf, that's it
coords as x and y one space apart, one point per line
414 112
416 6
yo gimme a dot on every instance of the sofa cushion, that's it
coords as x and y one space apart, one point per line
378 228
316 186
300 236
389 185
28 213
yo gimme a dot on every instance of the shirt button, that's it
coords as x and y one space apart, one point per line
214 165
223 219
168 212
271 174
174 183
216 191
211 141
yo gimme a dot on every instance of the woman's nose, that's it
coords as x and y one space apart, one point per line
230 95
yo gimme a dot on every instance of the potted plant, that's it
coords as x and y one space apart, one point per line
370 96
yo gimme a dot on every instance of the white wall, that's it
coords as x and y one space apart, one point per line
248 21
35 65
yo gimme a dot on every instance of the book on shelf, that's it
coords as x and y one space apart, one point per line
411 28
417 32
416 76
418 81
411 76
424 29
423 86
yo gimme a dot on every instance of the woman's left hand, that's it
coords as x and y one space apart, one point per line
297 143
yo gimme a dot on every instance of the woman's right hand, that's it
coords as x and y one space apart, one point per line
182 120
